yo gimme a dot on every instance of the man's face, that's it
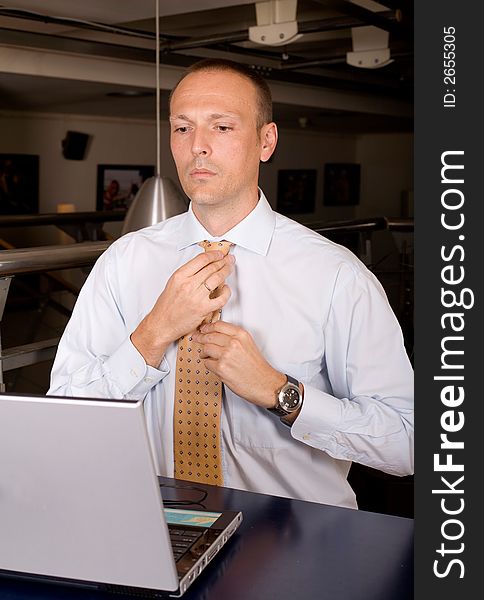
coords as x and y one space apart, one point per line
214 138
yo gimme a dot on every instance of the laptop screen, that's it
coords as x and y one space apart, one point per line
79 495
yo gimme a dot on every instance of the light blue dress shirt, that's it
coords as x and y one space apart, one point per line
315 312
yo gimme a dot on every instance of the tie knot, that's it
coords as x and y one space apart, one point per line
224 246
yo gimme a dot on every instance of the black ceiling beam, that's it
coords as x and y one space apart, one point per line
77 23
406 6
319 26
378 19
307 64
47 41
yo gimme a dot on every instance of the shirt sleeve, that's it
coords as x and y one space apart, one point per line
95 357
367 416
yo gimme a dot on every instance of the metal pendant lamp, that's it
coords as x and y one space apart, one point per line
159 197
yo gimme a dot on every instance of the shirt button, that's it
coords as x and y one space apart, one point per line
148 379
306 436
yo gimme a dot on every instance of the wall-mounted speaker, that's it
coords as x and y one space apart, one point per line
74 145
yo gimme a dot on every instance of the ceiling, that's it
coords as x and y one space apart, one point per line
97 57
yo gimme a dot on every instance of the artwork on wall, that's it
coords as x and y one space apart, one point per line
296 191
117 185
19 184
341 184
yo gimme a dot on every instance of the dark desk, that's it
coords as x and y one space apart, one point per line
286 549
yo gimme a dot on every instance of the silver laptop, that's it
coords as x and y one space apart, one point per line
80 502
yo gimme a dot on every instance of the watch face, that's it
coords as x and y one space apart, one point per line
290 399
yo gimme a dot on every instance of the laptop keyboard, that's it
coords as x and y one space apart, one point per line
182 540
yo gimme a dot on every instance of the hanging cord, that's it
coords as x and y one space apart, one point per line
157 88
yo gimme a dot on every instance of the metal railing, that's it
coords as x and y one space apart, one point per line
81 226
69 218
39 260
362 225
50 258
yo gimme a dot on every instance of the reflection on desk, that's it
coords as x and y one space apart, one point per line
284 549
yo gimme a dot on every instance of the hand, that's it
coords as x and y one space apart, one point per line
184 304
231 353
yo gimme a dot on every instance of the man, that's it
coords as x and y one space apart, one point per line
294 305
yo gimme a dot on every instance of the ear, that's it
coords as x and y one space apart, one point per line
268 137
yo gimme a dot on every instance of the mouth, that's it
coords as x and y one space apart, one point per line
201 174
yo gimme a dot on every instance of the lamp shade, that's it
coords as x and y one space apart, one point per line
157 199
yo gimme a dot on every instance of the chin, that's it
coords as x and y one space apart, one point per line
203 197
204 200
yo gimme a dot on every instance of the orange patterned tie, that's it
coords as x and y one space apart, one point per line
198 406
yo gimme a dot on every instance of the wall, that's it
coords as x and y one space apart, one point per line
298 149
385 161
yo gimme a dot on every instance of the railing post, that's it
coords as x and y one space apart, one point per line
4 287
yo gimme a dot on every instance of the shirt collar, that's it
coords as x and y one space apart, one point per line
253 233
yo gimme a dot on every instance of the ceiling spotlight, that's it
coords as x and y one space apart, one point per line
370 48
276 23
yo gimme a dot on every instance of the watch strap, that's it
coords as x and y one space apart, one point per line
292 380
277 410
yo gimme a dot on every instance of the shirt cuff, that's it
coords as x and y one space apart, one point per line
318 419
133 376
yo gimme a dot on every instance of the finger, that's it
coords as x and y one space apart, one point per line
223 327
211 364
220 301
221 268
218 339
214 280
210 305
200 261
212 351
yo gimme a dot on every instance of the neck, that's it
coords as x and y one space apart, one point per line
217 220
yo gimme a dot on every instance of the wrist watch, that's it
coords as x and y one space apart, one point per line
289 398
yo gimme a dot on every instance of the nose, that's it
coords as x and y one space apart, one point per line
200 145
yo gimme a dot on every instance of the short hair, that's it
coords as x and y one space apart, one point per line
264 96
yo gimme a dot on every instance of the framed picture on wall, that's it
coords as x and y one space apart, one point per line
296 191
341 184
117 185
19 184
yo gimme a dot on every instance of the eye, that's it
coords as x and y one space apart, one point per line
181 129
223 128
